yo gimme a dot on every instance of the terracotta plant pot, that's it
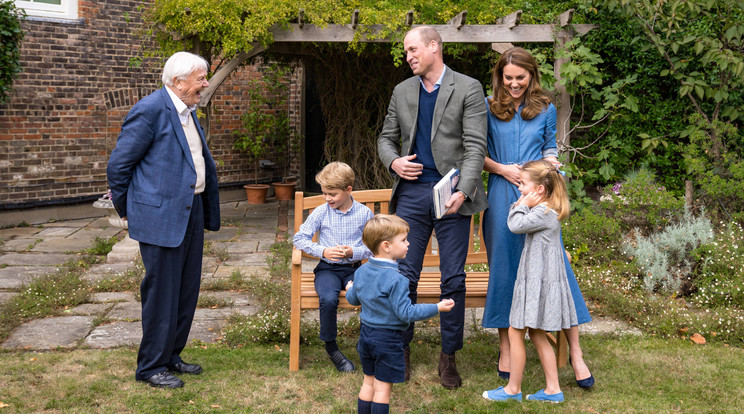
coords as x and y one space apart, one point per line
284 191
256 193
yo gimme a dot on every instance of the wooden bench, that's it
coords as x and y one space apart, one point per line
303 288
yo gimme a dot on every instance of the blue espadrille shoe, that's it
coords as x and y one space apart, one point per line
500 395
541 396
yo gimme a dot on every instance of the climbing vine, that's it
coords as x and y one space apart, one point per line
11 35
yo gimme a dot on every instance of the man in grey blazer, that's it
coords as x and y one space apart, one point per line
164 181
436 121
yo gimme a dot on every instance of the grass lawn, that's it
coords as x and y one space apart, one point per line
634 375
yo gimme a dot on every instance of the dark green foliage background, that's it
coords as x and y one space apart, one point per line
11 36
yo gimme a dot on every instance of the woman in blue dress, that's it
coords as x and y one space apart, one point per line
521 128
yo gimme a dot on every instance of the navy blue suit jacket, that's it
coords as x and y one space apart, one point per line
152 177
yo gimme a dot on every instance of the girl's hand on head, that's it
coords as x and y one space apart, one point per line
532 199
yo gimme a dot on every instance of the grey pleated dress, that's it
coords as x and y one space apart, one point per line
542 298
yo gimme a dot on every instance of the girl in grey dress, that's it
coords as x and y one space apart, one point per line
542 297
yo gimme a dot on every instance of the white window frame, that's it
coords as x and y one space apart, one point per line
67 9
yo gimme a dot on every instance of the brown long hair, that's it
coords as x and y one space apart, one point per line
501 103
544 173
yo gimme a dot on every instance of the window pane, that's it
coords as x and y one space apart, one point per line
57 2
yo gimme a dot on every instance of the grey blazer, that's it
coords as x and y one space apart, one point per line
458 135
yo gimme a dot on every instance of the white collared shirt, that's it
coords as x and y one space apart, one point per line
184 112
436 85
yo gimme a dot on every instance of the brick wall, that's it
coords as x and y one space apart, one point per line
62 119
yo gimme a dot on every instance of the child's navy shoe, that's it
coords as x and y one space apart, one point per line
500 395
541 396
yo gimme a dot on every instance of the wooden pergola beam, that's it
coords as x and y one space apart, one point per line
494 33
459 20
511 20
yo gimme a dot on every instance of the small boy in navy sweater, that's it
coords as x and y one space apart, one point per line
386 311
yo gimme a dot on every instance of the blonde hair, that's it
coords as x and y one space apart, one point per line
546 174
501 103
336 175
380 228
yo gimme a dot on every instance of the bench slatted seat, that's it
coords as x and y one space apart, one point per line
303 288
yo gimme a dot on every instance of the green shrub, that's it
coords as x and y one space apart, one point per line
101 246
591 237
720 276
640 203
665 258
717 166
615 290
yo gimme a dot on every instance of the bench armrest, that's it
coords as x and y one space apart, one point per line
296 257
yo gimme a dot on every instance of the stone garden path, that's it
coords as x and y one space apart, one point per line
246 235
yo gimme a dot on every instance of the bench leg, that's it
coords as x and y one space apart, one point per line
560 343
562 350
294 341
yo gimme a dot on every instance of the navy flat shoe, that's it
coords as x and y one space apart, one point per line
502 374
585 383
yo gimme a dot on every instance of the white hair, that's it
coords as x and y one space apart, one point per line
180 65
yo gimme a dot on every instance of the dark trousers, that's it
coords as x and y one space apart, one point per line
170 290
330 279
414 205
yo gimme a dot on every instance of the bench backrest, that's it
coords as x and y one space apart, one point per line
378 201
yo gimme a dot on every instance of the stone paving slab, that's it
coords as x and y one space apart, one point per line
126 311
60 245
255 259
100 222
237 247
14 277
206 330
225 271
39 259
57 231
115 334
91 234
238 299
105 297
18 232
224 234
50 333
89 309
76 223
19 244
5 296
107 270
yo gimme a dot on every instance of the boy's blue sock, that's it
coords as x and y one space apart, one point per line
378 408
331 346
364 407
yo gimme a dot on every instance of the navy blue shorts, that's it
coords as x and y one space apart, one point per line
381 353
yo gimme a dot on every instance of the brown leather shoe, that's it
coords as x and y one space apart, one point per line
448 374
407 357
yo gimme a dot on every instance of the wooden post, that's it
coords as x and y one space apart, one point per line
562 100
689 193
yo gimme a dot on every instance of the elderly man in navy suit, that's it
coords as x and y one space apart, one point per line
436 121
163 180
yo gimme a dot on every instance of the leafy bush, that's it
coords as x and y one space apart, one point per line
591 237
640 203
665 258
717 166
11 35
614 288
720 276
